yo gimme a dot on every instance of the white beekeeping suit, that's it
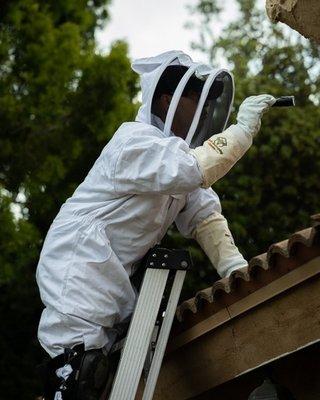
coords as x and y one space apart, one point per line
145 179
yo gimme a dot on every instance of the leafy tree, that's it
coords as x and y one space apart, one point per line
274 189
60 103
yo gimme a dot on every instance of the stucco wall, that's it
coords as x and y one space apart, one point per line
301 15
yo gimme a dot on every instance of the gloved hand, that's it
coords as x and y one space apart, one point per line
226 267
220 152
216 240
251 111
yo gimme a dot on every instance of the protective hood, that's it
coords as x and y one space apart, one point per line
212 112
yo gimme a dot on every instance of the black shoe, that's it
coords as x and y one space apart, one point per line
88 379
93 375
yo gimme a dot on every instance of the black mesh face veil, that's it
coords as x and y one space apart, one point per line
178 81
214 114
215 96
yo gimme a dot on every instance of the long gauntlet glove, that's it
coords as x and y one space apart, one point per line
216 240
219 153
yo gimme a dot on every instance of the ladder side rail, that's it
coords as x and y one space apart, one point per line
164 335
139 335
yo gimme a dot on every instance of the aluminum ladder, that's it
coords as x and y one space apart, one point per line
145 339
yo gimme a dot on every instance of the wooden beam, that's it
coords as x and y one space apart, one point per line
293 278
246 340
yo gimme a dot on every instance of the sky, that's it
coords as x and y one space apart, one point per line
153 26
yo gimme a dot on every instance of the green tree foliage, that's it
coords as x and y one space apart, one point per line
274 189
60 103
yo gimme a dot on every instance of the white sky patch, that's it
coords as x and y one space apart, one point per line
16 210
152 27
16 207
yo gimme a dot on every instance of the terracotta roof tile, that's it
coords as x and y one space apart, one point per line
280 259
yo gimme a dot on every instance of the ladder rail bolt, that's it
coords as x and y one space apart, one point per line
184 264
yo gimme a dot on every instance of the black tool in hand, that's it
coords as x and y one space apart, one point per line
285 101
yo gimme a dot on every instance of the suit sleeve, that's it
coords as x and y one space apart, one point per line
148 164
201 203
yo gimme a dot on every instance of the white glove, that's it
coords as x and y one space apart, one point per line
251 110
216 240
218 154
229 266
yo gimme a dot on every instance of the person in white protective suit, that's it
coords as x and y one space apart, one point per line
154 171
